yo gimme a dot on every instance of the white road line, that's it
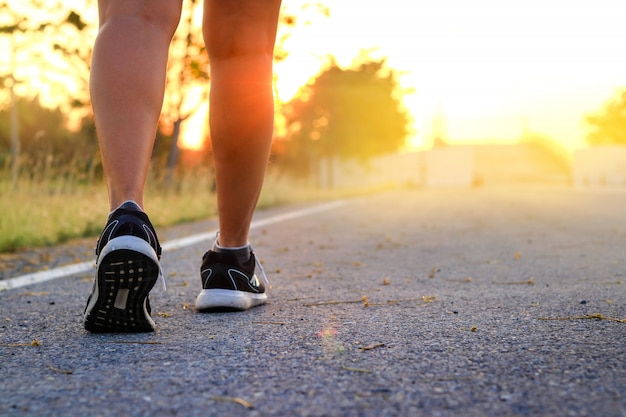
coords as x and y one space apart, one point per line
65 271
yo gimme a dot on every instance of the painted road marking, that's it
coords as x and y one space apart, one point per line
65 271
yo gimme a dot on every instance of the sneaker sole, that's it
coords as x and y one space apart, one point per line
127 270
218 299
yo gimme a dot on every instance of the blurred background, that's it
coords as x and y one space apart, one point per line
369 95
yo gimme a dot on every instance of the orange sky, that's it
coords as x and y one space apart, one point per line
489 69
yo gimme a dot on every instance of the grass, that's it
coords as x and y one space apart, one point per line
41 213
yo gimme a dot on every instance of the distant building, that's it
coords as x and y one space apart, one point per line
525 162
454 166
600 166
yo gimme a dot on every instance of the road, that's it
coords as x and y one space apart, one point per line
449 302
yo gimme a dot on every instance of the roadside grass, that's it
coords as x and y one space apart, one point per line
40 213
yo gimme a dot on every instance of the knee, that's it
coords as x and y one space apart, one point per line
162 15
239 39
165 18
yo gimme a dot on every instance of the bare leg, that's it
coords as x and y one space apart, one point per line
127 86
240 36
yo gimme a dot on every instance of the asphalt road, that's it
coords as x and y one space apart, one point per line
482 302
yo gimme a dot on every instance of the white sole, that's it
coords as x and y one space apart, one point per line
127 269
218 298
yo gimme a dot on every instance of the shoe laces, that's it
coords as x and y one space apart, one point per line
258 264
161 279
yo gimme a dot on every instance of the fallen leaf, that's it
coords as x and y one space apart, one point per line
529 281
373 346
433 271
235 400
471 329
35 342
346 368
61 371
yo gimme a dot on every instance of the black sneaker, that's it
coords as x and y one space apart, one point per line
127 261
230 284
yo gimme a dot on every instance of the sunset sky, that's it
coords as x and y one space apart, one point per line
490 68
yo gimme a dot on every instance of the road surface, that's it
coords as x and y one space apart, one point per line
449 302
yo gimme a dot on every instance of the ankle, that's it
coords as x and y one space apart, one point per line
231 242
230 248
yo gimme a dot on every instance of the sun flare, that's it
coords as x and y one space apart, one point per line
487 71
479 71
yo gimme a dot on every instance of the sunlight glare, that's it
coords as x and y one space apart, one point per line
489 70
194 130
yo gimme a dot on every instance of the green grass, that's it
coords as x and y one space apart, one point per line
41 213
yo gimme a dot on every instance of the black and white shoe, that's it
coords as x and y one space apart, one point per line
127 262
229 282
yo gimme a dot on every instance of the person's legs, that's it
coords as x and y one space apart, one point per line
240 36
127 86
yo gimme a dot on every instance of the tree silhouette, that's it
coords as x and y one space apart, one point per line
34 41
48 148
345 113
54 42
188 74
187 71
609 126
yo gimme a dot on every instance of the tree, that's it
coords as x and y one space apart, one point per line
35 39
187 76
49 149
344 113
52 52
609 126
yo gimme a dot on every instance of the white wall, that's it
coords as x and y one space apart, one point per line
398 169
600 166
450 166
